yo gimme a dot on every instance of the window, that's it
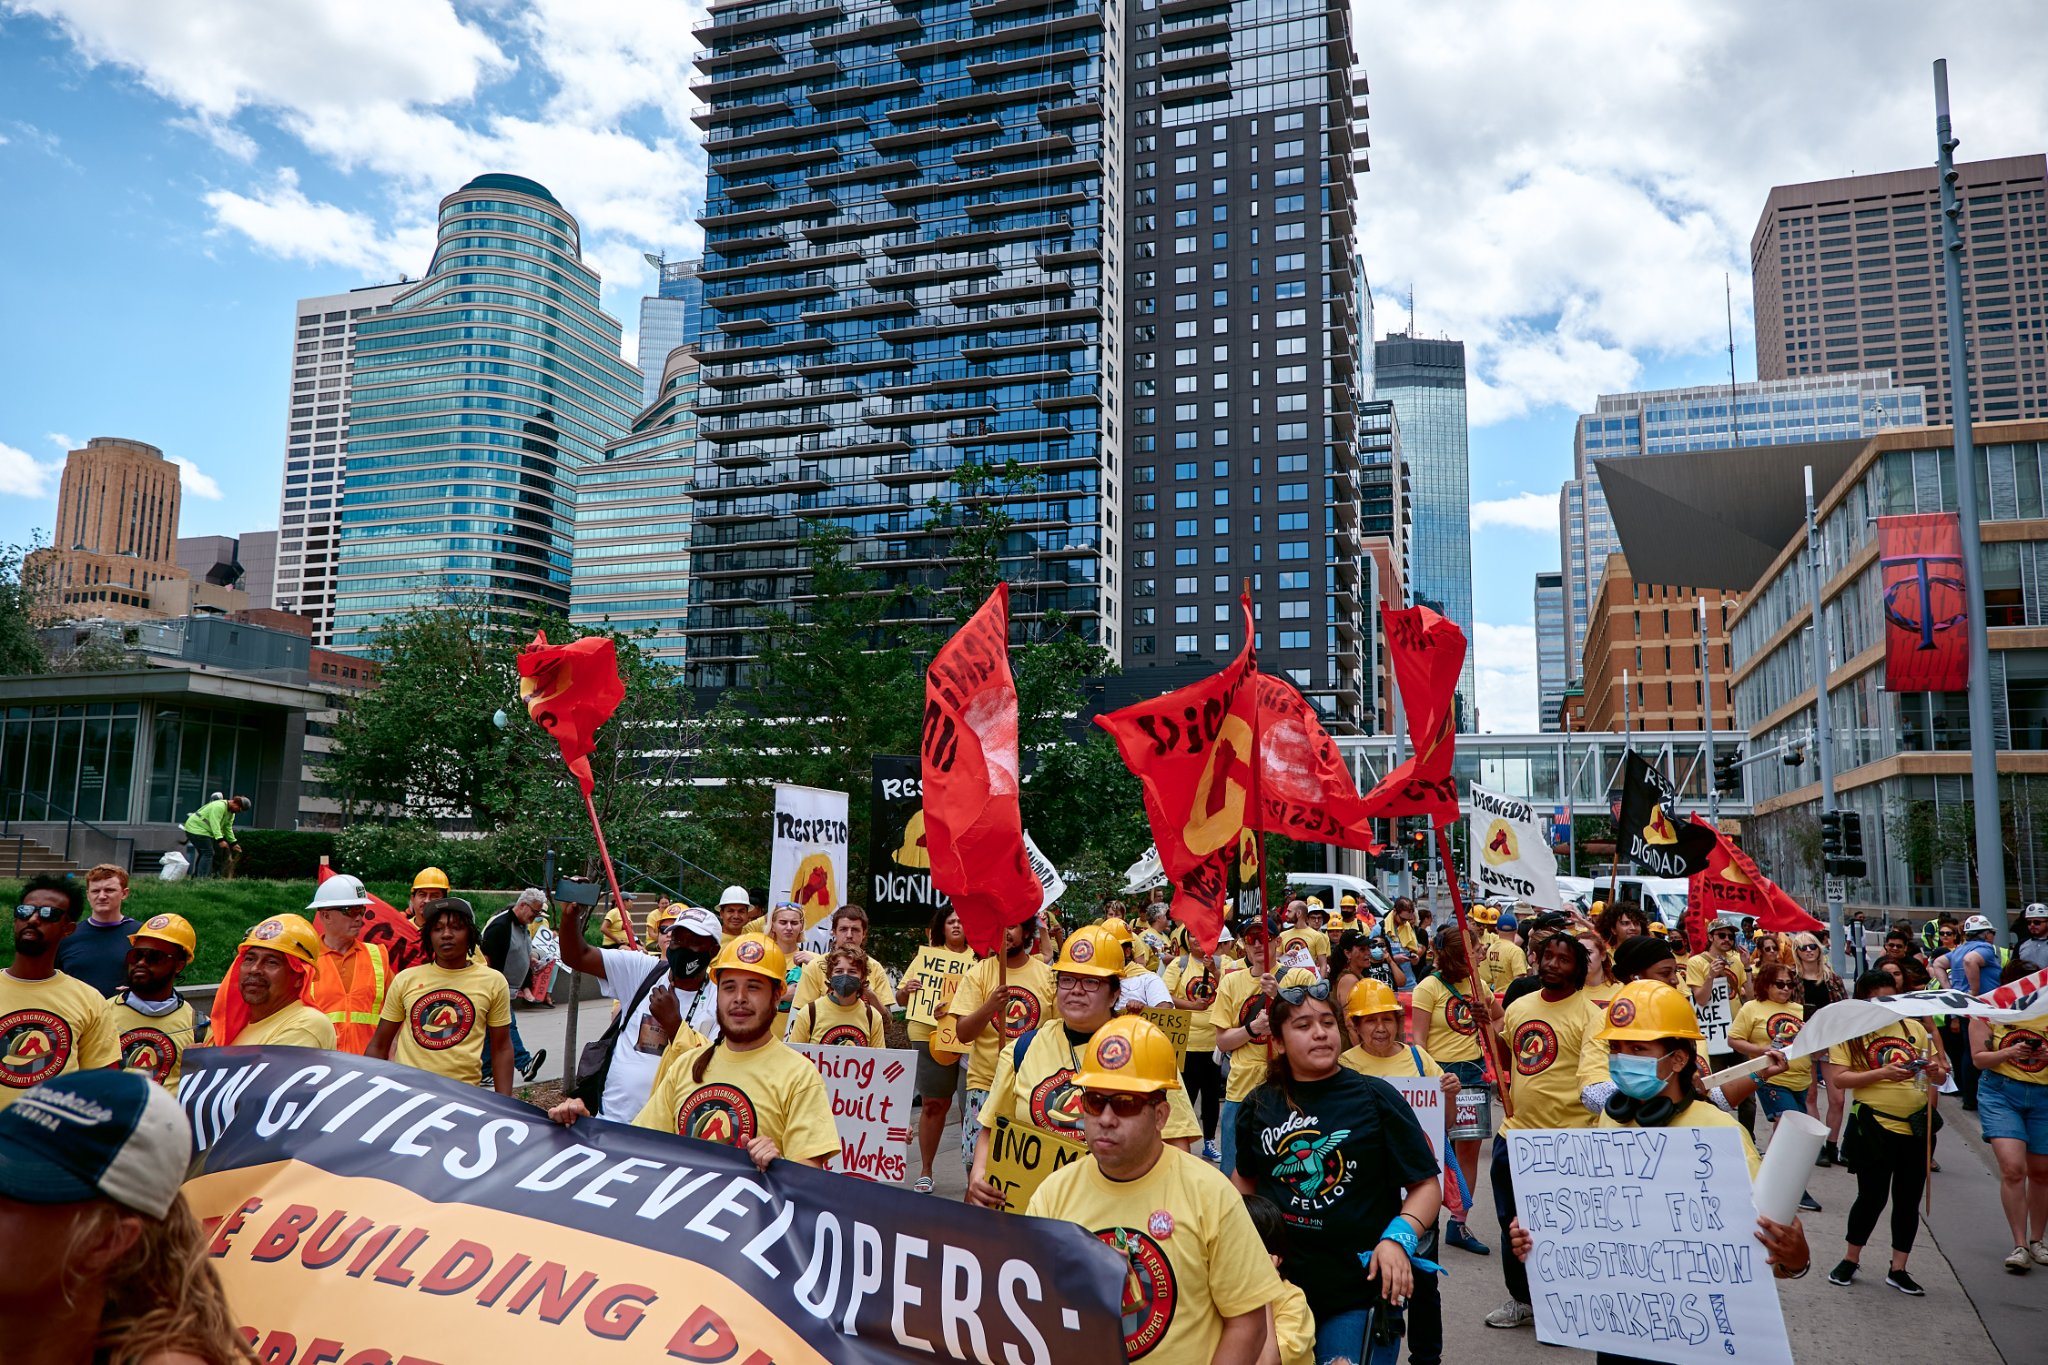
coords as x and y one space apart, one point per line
1183 245
1289 148
1290 203
1187 355
1221 526
1184 165
1184 303
1291 317
1186 616
1294 261
1144 616
1187 471
1294 611
1294 492
1186 412
1291 289
1291 431
1292 175
1182 587
1187 527
1293 549
1181 218
1290 346
1286 123
1291 374
1292 521
1223 613
1186 191
1187 644
1293 580
1289 232
1293 639
1186 274
1291 402
1142 644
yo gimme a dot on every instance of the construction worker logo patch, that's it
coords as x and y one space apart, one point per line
158 922
1081 950
149 1051
1893 1052
1458 1014
1621 1013
1019 1012
34 1046
1056 1104
749 953
1782 1028
718 1113
1150 1293
844 1035
1114 1054
1535 1048
2029 1062
441 1019
1202 989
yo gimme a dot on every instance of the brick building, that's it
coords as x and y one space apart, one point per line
1652 633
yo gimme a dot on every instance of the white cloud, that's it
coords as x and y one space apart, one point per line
1522 512
1505 677
65 443
281 220
195 483
22 475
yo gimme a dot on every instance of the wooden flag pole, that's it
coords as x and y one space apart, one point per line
1258 810
1495 1045
604 854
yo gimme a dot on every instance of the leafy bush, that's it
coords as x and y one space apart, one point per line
283 854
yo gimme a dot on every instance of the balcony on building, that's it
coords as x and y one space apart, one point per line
728 19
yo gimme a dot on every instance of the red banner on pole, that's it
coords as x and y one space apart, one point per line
973 824
570 690
1428 652
1305 789
1732 884
1926 605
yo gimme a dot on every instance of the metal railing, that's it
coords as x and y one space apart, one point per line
122 845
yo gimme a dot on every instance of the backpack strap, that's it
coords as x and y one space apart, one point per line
1023 1046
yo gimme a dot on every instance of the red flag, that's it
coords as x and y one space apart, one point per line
1192 751
1428 652
1305 789
570 690
1926 608
973 825
390 927
1733 885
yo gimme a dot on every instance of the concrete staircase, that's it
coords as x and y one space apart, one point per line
22 857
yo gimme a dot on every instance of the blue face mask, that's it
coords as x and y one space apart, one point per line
1635 1077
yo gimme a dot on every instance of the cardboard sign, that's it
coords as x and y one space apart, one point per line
944 1044
1645 1245
1425 1095
1174 1024
1021 1157
938 972
872 1105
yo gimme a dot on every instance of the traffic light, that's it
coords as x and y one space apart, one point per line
1388 860
1852 863
1728 772
1418 844
1830 838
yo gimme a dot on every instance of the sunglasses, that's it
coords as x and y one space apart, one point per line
1127 1106
155 957
1809 947
348 911
1294 995
48 914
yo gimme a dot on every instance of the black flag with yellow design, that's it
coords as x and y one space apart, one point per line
1659 842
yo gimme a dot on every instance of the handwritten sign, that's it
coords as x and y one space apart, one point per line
1021 1157
938 972
1644 1244
1174 1024
944 1044
1425 1095
872 1106
1717 1016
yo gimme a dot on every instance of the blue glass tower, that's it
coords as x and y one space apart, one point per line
474 403
672 317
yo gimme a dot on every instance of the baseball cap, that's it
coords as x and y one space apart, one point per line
94 1133
1508 920
695 919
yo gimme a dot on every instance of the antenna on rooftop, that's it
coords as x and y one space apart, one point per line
1411 308
1734 419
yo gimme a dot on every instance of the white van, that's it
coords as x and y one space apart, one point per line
1664 897
1329 887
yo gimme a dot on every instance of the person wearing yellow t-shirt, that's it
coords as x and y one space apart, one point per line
1192 979
1718 979
1034 1083
2012 1104
1772 1020
50 1022
849 930
1890 1077
995 1004
1290 1326
1449 1010
1300 935
1239 1016
440 1015
1501 959
840 1018
1200 1280
748 1089
265 998
155 1023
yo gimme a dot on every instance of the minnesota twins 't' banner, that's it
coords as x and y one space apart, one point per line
362 1210
1510 854
1926 608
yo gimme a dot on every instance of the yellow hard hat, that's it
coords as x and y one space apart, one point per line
1645 1011
1371 996
1483 914
1129 1053
754 953
1115 924
430 879
1314 903
175 930
1349 901
287 934
1658 927
1091 950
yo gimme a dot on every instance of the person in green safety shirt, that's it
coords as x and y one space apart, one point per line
210 834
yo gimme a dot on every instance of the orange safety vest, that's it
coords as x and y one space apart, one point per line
353 1011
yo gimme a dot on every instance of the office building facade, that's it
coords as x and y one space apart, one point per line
113 552
1847 276
1425 381
1553 675
913 265
1642 664
475 402
1244 334
316 435
670 317
1704 417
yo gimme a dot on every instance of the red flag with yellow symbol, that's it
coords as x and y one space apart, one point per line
1733 885
973 822
1428 651
1305 788
1192 751
570 690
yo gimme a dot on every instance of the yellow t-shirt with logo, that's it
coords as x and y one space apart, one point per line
1450 1026
2029 1070
1028 1003
296 1025
1187 977
1040 1092
442 1017
830 1024
51 1027
1501 962
1893 1102
1402 1063
1237 1000
153 1044
1700 967
1315 940
1194 1257
767 1091
1545 1040
811 983
1772 1025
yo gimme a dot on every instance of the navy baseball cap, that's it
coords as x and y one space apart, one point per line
92 1134
1507 920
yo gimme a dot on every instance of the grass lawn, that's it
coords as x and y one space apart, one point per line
223 911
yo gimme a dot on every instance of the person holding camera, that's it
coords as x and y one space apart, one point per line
2012 1104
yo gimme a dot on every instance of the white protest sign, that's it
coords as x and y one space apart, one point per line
871 1103
1048 876
1645 1246
1512 850
1425 1095
807 859
1717 1016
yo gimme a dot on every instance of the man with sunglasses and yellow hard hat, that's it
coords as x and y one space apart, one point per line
1034 1077
1198 1278
156 1024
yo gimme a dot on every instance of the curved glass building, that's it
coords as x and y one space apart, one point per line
474 403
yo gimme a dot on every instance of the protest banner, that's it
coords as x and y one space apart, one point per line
1717 1016
944 1044
899 861
1020 1157
1425 1095
1174 1024
872 1105
1514 858
1645 1245
807 859
1051 884
362 1210
938 972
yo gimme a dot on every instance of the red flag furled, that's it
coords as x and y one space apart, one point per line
1192 752
1305 789
1428 652
1732 884
570 690
973 824
1926 608
390 928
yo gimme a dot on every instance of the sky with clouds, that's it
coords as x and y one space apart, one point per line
1563 186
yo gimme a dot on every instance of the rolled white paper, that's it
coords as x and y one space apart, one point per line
1795 1143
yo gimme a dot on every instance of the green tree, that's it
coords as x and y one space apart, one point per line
20 652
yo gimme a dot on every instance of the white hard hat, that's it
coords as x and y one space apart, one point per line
337 891
735 895
2036 910
1224 935
1977 924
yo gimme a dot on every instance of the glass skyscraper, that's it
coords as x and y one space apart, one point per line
1425 381
672 316
1552 676
474 403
